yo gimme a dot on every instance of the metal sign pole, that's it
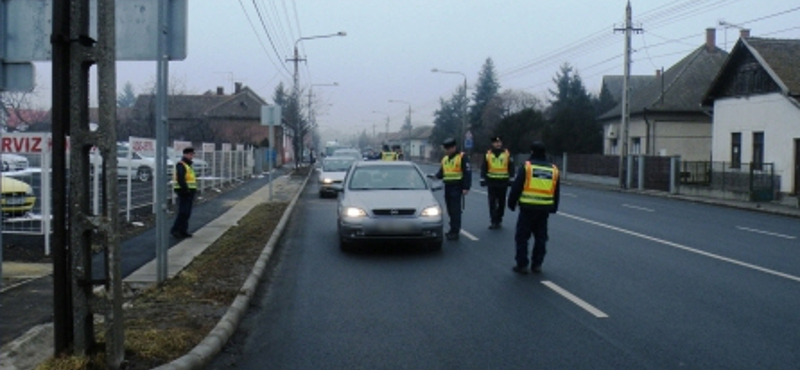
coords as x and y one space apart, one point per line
162 133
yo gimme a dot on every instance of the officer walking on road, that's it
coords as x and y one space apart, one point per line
496 171
185 183
457 177
536 190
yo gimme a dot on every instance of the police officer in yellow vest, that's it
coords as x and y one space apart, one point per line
184 182
388 154
457 177
536 190
496 171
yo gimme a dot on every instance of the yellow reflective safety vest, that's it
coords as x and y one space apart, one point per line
451 168
540 185
191 178
497 165
388 156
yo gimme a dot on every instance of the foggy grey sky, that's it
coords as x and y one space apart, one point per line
391 47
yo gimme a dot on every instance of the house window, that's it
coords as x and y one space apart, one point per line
613 146
636 145
758 150
736 150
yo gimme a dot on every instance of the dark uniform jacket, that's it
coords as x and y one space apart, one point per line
485 169
466 170
519 184
180 174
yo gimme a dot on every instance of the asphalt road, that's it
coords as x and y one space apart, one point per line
630 282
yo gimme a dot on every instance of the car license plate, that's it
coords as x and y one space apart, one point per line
15 201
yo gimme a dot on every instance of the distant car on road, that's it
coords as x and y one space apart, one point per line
353 153
332 173
17 197
388 201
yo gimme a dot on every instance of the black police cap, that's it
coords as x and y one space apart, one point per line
496 138
449 142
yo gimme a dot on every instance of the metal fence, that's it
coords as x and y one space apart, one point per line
758 180
27 189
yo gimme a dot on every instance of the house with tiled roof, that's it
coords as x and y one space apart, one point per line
414 142
755 98
213 117
666 117
613 84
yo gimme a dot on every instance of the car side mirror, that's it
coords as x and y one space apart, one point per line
431 176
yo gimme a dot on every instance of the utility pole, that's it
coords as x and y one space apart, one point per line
624 175
296 108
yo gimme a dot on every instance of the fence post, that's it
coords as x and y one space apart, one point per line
564 167
673 168
628 172
641 172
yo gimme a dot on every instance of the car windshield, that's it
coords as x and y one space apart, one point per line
336 165
387 178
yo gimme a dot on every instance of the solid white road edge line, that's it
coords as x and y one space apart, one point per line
683 247
572 298
765 232
468 235
638 208
569 195
480 192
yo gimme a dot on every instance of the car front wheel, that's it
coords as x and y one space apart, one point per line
144 174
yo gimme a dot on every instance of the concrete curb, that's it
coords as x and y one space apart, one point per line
201 354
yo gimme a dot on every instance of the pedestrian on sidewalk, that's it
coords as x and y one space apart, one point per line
185 184
457 177
536 190
496 171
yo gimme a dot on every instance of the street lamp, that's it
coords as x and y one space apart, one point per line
408 124
464 122
296 59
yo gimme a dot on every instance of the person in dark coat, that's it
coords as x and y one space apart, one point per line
536 189
496 172
456 174
185 184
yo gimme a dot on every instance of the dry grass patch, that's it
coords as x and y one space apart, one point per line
167 321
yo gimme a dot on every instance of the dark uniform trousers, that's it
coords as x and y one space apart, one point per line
497 201
529 223
185 202
452 198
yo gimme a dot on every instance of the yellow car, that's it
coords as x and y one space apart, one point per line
18 197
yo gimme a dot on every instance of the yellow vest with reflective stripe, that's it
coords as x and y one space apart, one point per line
451 168
191 178
540 185
497 165
388 156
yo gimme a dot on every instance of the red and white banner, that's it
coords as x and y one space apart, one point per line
179 146
142 145
26 143
209 147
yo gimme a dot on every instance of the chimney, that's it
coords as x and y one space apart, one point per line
744 33
220 90
711 39
237 87
658 73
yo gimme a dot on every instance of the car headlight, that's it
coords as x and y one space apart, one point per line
432 211
354 212
29 191
327 181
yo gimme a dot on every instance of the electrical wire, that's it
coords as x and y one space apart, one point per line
264 47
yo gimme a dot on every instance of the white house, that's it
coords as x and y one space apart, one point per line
414 143
666 117
756 102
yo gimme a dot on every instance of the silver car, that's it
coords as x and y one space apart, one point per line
332 173
388 201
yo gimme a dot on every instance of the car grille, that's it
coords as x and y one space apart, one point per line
394 212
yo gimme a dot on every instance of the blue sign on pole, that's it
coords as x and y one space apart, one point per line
468 140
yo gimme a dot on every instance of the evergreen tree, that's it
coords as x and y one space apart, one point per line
449 118
485 90
127 98
573 126
520 129
604 102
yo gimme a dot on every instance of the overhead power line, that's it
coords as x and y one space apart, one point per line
261 42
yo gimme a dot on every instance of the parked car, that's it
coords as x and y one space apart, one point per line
139 167
353 153
388 201
332 173
17 197
14 162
